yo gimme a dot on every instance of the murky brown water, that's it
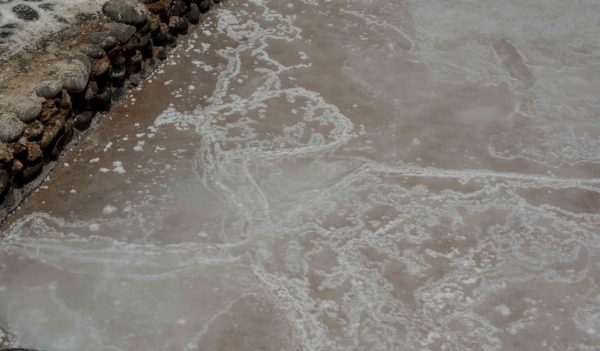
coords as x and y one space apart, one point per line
331 175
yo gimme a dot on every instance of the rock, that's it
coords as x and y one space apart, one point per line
50 134
17 168
104 96
135 80
34 152
125 11
6 155
103 40
75 72
144 45
25 13
10 126
193 14
33 130
91 50
91 92
19 148
162 54
118 62
119 31
83 120
65 100
118 76
26 108
158 8
153 24
178 25
161 36
49 89
204 5
135 64
176 8
100 67
7 30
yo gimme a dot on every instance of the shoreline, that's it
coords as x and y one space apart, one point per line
52 99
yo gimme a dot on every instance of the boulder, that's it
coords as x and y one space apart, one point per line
126 11
33 131
6 155
162 54
26 108
176 8
10 126
104 96
100 67
51 133
49 89
204 5
103 40
25 12
117 76
91 50
121 32
65 100
178 25
91 92
34 152
17 167
74 73
161 36
83 120
193 14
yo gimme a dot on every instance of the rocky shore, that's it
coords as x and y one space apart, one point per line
54 94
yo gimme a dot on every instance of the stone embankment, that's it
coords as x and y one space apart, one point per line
58 95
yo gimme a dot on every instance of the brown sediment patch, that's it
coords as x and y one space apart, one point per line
56 91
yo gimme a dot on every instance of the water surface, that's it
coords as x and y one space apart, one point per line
331 175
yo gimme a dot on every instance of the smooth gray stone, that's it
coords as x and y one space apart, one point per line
91 50
125 11
49 89
119 31
103 39
10 127
75 72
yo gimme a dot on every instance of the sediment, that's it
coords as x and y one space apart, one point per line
55 96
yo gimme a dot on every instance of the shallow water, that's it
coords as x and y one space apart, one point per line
331 175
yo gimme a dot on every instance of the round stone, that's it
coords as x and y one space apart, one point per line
27 108
193 14
121 32
10 127
103 39
49 89
91 50
125 11
75 73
